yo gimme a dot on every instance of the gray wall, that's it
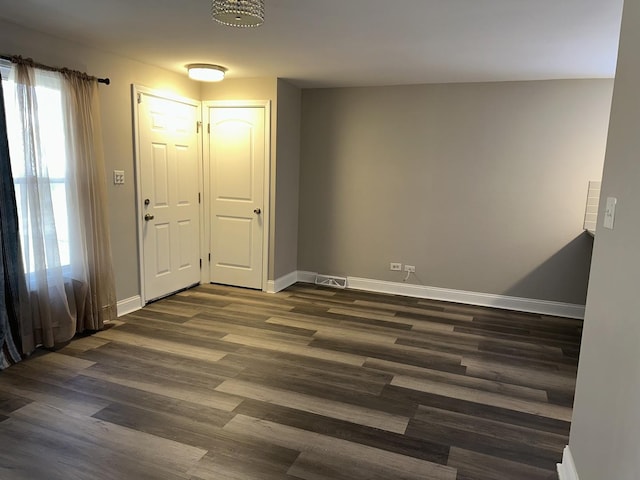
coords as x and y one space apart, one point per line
117 127
287 173
481 186
605 431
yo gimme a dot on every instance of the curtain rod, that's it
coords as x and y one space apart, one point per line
29 61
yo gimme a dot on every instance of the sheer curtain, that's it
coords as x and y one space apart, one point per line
61 193
87 191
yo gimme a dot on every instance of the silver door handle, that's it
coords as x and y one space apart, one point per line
148 217
257 211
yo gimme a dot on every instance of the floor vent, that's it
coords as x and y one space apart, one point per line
331 281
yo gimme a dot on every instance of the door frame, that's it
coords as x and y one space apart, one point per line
135 91
266 209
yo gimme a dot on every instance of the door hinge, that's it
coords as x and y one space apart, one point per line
198 197
200 264
198 126
209 128
209 258
139 98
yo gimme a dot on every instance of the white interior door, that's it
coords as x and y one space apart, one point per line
237 154
169 168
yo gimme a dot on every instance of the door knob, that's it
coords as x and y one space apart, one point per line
148 217
257 211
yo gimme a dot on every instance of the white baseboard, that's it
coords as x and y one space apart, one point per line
279 284
567 469
129 305
543 307
306 277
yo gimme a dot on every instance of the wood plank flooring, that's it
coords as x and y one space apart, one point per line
309 384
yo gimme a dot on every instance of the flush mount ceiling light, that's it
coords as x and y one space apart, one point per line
238 13
205 72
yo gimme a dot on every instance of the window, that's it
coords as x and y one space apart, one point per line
52 147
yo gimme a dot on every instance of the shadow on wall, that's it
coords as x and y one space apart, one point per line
566 272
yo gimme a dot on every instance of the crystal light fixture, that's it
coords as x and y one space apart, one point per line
238 13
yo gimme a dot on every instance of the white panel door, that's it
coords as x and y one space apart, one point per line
169 172
237 168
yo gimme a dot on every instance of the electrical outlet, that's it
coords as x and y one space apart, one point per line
410 268
396 267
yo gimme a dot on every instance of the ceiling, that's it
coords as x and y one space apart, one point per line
323 43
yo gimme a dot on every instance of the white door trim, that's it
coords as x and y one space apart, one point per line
266 213
135 91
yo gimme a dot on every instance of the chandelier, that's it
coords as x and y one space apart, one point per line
238 13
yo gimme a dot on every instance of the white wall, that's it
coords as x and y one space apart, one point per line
605 432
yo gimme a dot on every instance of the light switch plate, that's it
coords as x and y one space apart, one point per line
610 212
118 177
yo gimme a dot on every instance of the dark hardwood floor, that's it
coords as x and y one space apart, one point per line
310 383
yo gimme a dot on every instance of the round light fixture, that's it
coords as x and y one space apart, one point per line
205 72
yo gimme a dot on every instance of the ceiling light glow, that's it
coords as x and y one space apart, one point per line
204 72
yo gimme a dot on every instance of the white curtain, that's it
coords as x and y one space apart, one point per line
58 165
